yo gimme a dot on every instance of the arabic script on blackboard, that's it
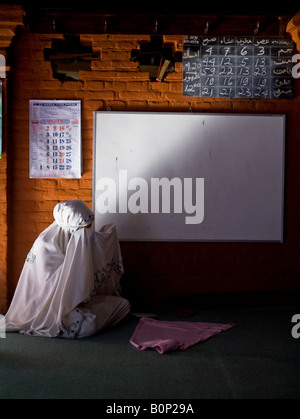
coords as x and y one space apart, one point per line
238 67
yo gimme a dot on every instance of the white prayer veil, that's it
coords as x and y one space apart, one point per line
64 268
71 215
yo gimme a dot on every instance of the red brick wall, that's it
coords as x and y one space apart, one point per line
3 211
153 270
11 16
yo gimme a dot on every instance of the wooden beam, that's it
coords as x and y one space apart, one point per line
84 22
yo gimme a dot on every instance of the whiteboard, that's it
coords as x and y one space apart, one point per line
189 176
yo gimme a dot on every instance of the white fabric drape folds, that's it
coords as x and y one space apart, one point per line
65 269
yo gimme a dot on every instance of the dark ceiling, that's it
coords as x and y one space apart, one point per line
168 6
175 7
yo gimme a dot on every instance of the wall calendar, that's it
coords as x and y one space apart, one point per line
55 139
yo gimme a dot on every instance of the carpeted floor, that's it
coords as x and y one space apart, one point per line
257 359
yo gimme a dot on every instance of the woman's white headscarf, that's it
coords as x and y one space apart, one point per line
71 215
65 267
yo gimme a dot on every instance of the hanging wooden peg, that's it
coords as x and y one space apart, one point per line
206 28
256 29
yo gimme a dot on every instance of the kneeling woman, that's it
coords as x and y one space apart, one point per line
70 283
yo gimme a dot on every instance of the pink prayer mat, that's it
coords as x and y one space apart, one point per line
171 335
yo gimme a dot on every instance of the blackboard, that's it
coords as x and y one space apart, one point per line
238 67
221 176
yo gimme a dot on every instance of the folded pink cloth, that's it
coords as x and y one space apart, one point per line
171 335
